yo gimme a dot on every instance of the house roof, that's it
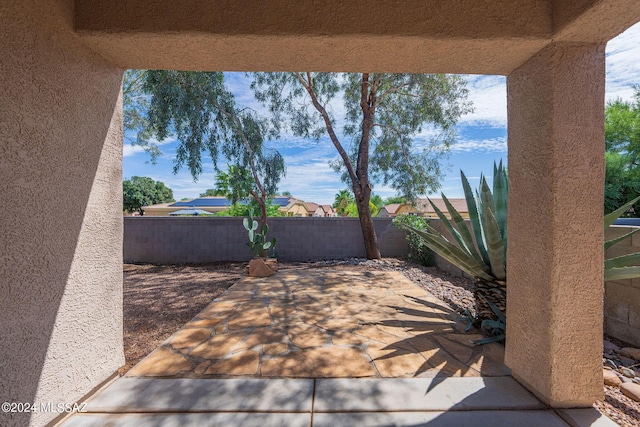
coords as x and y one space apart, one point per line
392 208
423 205
328 208
311 207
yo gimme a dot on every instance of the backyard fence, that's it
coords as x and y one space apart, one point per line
165 240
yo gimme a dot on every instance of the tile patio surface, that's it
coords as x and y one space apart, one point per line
311 348
323 324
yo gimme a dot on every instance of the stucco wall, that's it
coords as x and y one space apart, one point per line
60 168
198 240
622 298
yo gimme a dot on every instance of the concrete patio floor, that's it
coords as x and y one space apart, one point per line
322 347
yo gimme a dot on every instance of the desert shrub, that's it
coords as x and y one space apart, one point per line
418 251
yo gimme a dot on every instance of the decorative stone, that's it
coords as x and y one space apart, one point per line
631 390
631 352
627 372
608 346
262 267
610 378
319 362
244 363
188 338
162 362
625 361
218 346
305 336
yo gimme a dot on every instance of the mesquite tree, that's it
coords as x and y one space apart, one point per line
197 108
385 115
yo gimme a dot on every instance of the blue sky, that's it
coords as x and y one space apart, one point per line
481 136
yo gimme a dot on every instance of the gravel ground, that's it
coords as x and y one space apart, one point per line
158 300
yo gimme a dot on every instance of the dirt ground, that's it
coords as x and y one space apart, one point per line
159 300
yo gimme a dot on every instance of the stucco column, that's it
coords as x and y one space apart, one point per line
555 253
61 225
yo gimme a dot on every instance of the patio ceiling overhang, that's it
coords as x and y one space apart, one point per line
461 36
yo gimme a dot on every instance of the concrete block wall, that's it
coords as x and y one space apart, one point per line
162 240
622 298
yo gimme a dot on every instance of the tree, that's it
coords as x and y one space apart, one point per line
235 184
395 200
240 209
342 200
213 192
197 108
622 142
384 115
141 191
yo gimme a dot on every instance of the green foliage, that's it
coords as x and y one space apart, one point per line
484 259
201 113
141 191
419 251
622 141
213 192
352 209
384 114
395 200
377 201
240 209
625 266
236 184
342 200
258 243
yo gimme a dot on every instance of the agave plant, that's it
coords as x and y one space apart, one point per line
484 254
622 267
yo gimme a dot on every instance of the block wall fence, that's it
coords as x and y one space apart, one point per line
622 298
162 240
165 240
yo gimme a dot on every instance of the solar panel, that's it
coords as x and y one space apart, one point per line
204 202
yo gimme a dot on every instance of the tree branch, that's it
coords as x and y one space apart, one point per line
327 122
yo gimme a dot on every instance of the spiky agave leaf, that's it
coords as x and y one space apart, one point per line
452 253
474 218
464 243
621 273
495 244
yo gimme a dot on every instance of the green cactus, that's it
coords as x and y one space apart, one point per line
258 241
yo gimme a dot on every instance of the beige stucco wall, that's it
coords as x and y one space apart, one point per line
556 178
61 225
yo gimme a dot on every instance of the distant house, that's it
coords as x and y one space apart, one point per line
394 209
209 204
329 211
312 209
320 211
288 206
426 210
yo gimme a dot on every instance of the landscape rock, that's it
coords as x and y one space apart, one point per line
627 372
631 390
631 352
609 346
625 361
610 378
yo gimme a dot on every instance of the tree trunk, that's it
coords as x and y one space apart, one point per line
368 232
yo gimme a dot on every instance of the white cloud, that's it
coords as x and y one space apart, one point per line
623 64
489 97
489 144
